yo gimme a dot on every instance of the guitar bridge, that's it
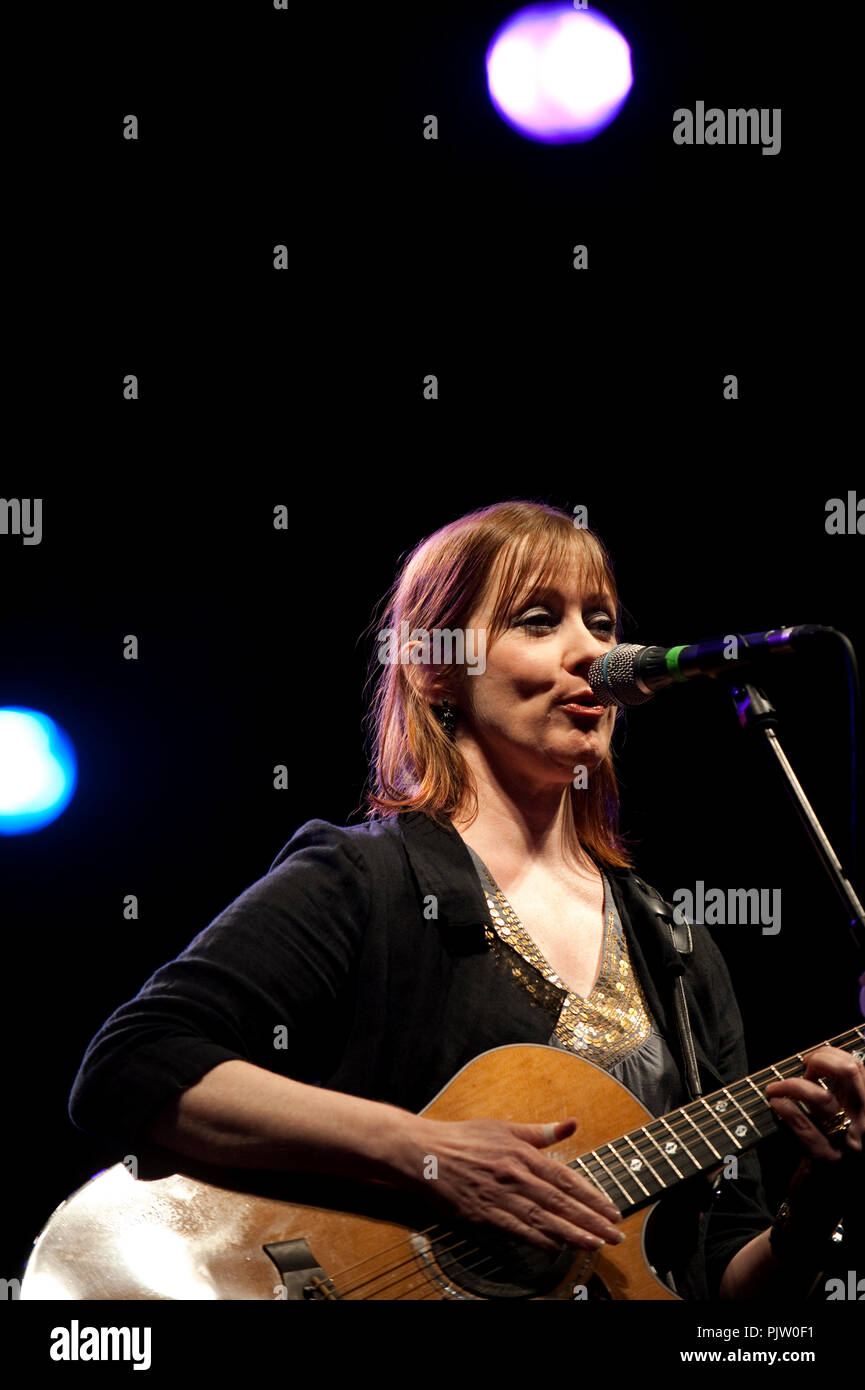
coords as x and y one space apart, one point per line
301 1275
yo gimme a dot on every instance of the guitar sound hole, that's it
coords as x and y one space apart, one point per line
490 1264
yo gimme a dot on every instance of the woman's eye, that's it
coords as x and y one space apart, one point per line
535 620
541 619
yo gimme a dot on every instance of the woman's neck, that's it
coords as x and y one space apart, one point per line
520 840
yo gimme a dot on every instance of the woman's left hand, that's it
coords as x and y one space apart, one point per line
844 1090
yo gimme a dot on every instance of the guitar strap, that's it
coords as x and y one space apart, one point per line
679 933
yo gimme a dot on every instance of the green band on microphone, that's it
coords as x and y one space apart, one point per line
672 660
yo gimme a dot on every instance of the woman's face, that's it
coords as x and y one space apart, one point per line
515 711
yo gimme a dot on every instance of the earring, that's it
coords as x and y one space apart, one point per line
445 715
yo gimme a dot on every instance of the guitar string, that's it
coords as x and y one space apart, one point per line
427 1275
428 1232
796 1062
410 1259
437 1286
443 1293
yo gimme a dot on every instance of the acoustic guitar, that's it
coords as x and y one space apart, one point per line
196 1232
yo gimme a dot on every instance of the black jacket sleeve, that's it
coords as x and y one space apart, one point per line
268 982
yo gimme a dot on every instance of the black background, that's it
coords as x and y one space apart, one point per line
304 388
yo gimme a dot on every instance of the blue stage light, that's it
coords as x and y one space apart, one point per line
38 770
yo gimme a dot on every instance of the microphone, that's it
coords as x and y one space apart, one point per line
631 674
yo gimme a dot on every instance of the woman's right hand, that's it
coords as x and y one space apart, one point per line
494 1171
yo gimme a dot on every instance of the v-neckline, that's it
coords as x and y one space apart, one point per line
525 938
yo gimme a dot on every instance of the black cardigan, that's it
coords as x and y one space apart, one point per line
359 962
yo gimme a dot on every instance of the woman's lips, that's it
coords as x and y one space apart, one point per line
589 711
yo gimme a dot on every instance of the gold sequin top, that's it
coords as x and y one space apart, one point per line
613 1021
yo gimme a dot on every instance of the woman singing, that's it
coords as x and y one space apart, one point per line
487 900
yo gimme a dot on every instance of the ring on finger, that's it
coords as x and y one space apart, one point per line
837 1123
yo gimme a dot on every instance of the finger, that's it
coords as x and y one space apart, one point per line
580 1188
820 1101
517 1213
566 1206
560 1174
846 1081
844 1075
821 1109
512 1225
814 1140
825 1059
541 1136
559 1229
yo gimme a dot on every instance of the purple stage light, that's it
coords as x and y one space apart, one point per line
558 74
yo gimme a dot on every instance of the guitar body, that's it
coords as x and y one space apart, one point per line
189 1232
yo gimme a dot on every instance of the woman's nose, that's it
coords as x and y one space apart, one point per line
583 646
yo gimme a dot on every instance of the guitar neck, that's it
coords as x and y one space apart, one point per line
640 1166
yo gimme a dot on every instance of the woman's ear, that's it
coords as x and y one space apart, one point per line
425 683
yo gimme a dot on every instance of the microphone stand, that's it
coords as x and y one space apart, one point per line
755 711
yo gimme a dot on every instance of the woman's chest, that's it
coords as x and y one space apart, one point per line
567 928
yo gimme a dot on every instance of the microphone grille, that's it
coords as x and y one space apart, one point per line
612 677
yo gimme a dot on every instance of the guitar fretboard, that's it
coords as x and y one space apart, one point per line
640 1166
